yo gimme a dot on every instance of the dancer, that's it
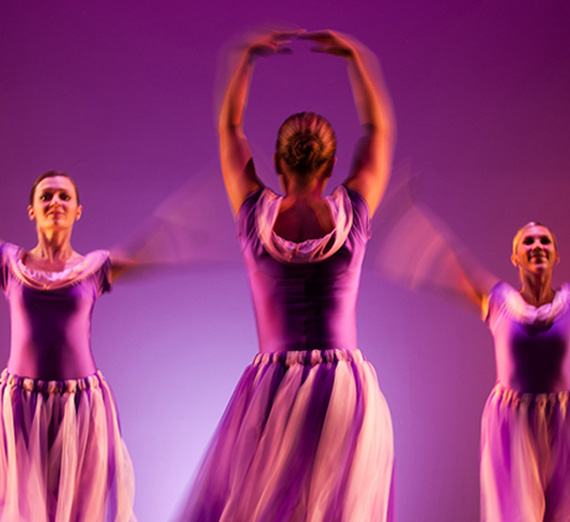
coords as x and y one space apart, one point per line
525 435
307 434
62 457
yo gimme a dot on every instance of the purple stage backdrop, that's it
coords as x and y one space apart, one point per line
122 96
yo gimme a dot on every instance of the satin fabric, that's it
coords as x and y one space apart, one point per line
50 314
532 344
311 302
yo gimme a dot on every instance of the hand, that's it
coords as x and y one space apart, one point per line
271 42
332 42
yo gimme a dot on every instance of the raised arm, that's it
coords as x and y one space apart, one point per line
238 170
373 156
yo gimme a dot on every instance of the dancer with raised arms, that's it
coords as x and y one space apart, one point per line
307 434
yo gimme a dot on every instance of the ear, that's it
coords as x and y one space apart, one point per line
78 212
557 260
329 168
31 214
515 260
277 162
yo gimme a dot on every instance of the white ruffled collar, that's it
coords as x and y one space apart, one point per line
43 280
310 250
529 314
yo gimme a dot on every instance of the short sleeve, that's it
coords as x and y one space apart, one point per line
9 254
3 266
246 215
493 302
361 214
103 275
97 267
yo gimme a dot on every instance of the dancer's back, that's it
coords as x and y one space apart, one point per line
304 293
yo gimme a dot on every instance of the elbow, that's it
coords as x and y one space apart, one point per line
224 125
384 132
230 132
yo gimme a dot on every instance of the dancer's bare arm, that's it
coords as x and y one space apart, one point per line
238 170
419 250
373 156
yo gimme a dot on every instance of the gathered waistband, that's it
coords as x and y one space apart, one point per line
308 357
51 387
541 399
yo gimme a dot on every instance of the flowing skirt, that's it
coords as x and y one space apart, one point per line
306 437
525 457
62 457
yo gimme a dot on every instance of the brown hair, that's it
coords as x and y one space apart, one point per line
52 174
305 142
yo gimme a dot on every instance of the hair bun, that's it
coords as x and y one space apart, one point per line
304 148
306 141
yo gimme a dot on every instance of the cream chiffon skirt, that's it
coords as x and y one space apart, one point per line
306 437
525 457
62 457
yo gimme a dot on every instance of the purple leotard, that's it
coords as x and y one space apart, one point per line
50 314
304 299
531 344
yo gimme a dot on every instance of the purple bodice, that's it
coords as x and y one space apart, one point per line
50 314
304 294
531 344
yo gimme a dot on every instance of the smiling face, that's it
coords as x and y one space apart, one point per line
535 251
54 204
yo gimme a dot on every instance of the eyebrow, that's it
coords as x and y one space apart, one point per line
52 189
541 236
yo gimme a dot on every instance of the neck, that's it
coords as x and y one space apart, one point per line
53 245
537 288
294 190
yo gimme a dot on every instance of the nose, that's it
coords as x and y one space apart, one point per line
537 249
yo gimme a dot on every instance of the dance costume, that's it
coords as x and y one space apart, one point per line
62 457
307 434
525 442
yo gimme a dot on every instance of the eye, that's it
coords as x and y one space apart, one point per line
46 196
528 240
64 196
545 240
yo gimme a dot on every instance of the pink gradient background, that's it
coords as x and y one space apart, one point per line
121 95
